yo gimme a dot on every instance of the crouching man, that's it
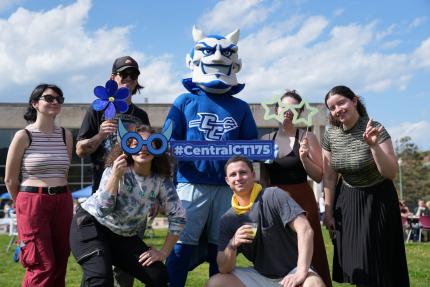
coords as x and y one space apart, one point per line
281 246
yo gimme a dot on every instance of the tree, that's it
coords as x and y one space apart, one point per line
415 172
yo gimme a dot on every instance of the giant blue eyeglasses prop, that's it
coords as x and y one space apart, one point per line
162 137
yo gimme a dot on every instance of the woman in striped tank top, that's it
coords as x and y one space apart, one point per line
40 154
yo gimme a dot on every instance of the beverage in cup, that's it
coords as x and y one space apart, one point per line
254 228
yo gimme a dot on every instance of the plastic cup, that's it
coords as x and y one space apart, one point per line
254 228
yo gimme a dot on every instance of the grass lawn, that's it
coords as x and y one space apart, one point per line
11 273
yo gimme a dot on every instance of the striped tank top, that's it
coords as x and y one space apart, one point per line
46 157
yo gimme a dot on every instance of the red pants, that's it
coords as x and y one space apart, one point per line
43 226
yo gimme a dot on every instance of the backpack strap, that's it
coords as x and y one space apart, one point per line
64 135
30 138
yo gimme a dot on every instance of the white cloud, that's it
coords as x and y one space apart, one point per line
338 12
161 84
54 46
391 44
53 42
384 33
421 56
228 15
310 54
418 131
316 56
417 22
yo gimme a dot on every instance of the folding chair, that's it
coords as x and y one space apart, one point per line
424 225
13 231
407 230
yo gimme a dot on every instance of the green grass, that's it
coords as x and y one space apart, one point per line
11 273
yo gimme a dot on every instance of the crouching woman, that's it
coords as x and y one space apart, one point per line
105 227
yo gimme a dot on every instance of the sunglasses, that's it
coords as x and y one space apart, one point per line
129 73
51 99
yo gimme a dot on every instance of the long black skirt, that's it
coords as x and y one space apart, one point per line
368 245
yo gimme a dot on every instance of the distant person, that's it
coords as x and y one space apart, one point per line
105 227
41 154
8 208
362 208
421 208
280 249
405 214
299 156
404 210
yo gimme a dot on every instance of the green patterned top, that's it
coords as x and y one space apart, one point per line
350 154
125 213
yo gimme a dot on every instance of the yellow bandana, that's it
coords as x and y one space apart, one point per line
243 209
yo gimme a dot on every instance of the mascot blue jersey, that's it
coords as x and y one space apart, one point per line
201 116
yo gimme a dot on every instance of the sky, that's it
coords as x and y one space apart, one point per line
380 49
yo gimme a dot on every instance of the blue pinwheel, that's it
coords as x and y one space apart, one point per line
111 99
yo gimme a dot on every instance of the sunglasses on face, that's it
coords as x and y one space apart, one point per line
129 73
51 99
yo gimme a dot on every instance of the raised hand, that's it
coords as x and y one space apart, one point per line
119 165
243 235
275 153
107 128
304 148
371 134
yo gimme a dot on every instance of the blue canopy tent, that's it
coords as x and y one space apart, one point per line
5 195
84 192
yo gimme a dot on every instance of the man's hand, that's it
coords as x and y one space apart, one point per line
107 128
243 235
86 147
293 280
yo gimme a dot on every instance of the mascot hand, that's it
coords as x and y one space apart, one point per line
275 152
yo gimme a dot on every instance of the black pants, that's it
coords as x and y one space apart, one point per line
96 249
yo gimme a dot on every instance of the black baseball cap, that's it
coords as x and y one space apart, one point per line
122 63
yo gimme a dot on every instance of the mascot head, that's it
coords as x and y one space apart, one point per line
214 61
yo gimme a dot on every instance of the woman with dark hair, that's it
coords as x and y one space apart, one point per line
105 227
299 156
41 155
362 207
